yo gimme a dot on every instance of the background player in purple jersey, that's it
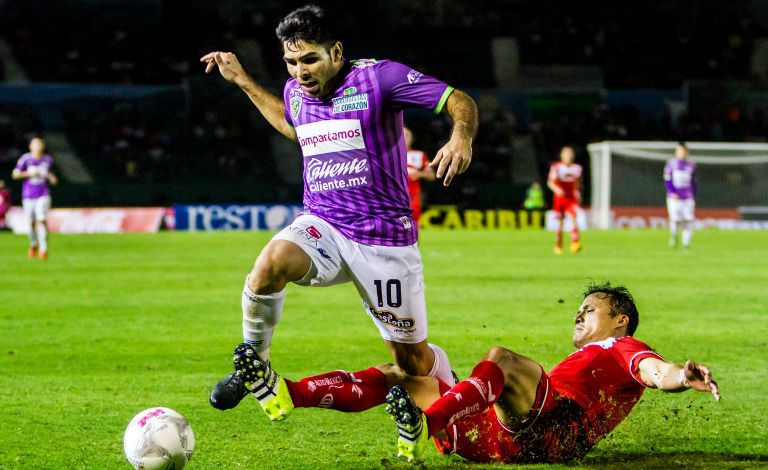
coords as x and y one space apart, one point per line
680 180
347 117
34 168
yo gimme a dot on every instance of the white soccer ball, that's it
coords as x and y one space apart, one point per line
158 439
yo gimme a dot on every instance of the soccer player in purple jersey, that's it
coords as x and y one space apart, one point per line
347 117
680 180
34 168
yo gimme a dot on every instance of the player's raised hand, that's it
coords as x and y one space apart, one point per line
229 66
700 378
452 159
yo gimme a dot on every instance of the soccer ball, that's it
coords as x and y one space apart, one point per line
158 439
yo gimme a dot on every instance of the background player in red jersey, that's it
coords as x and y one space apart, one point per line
418 169
565 181
5 203
510 410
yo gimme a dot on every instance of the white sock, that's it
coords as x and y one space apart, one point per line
441 369
673 230
42 235
261 313
32 236
687 234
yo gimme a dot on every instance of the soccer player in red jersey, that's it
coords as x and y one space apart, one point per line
510 410
565 181
418 169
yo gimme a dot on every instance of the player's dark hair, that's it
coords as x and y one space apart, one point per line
622 302
309 23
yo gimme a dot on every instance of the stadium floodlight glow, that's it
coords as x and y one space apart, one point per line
629 174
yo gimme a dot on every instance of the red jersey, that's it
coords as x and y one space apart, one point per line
603 378
578 403
567 177
417 161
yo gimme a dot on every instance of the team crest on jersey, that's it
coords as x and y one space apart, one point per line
349 103
295 106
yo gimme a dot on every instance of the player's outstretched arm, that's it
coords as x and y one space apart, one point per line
671 377
454 157
270 106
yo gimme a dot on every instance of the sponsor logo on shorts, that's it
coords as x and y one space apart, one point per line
323 253
414 76
312 231
402 325
349 103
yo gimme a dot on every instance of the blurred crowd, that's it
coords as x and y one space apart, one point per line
218 136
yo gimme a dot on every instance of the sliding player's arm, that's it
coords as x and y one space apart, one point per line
270 106
674 378
455 156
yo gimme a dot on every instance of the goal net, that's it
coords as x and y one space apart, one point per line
628 174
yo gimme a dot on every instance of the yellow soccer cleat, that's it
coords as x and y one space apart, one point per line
411 424
263 382
575 247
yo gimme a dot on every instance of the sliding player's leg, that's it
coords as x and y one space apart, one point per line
503 379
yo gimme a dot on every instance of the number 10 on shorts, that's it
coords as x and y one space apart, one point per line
391 292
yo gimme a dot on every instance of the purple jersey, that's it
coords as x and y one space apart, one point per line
355 165
679 178
35 186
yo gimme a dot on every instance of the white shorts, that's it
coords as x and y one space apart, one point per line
36 209
681 210
389 279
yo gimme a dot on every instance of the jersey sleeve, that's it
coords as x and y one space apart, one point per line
406 87
668 178
21 164
630 352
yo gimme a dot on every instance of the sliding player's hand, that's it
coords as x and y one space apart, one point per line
700 378
452 159
229 66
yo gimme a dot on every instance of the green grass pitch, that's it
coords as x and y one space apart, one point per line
110 325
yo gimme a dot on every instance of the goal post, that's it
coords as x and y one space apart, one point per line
730 175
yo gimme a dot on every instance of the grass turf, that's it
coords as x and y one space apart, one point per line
110 325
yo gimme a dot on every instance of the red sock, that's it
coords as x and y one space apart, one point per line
340 390
468 397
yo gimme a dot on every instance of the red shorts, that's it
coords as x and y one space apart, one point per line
554 431
565 205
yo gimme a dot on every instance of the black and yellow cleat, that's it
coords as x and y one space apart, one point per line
411 424
263 382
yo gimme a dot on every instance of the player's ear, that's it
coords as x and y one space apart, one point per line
337 51
623 321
